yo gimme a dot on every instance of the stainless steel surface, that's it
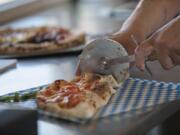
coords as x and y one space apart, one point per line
133 123
31 72
92 56
5 65
13 8
18 121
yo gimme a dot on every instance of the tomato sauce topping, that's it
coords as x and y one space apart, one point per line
48 92
67 95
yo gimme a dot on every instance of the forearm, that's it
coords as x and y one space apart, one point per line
149 16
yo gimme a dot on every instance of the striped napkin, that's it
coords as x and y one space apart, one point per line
140 94
134 94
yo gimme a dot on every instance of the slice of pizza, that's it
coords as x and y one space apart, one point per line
79 98
15 41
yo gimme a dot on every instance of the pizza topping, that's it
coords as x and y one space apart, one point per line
41 99
71 100
99 89
64 93
16 36
59 84
87 82
49 92
55 35
93 83
49 35
65 100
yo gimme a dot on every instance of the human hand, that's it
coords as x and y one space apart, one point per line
165 42
125 39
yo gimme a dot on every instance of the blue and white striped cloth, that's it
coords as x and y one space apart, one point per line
134 94
140 94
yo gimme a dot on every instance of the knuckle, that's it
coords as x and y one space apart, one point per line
167 66
138 50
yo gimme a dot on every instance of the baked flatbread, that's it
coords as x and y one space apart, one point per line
38 39
79 98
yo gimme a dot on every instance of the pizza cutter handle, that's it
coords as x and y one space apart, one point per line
121 60
151 57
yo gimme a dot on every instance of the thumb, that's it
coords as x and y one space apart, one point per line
142 52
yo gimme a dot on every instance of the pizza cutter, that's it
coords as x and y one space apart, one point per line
106 56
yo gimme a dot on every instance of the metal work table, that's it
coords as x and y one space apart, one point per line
36 71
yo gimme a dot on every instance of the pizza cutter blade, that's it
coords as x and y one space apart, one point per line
100 50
